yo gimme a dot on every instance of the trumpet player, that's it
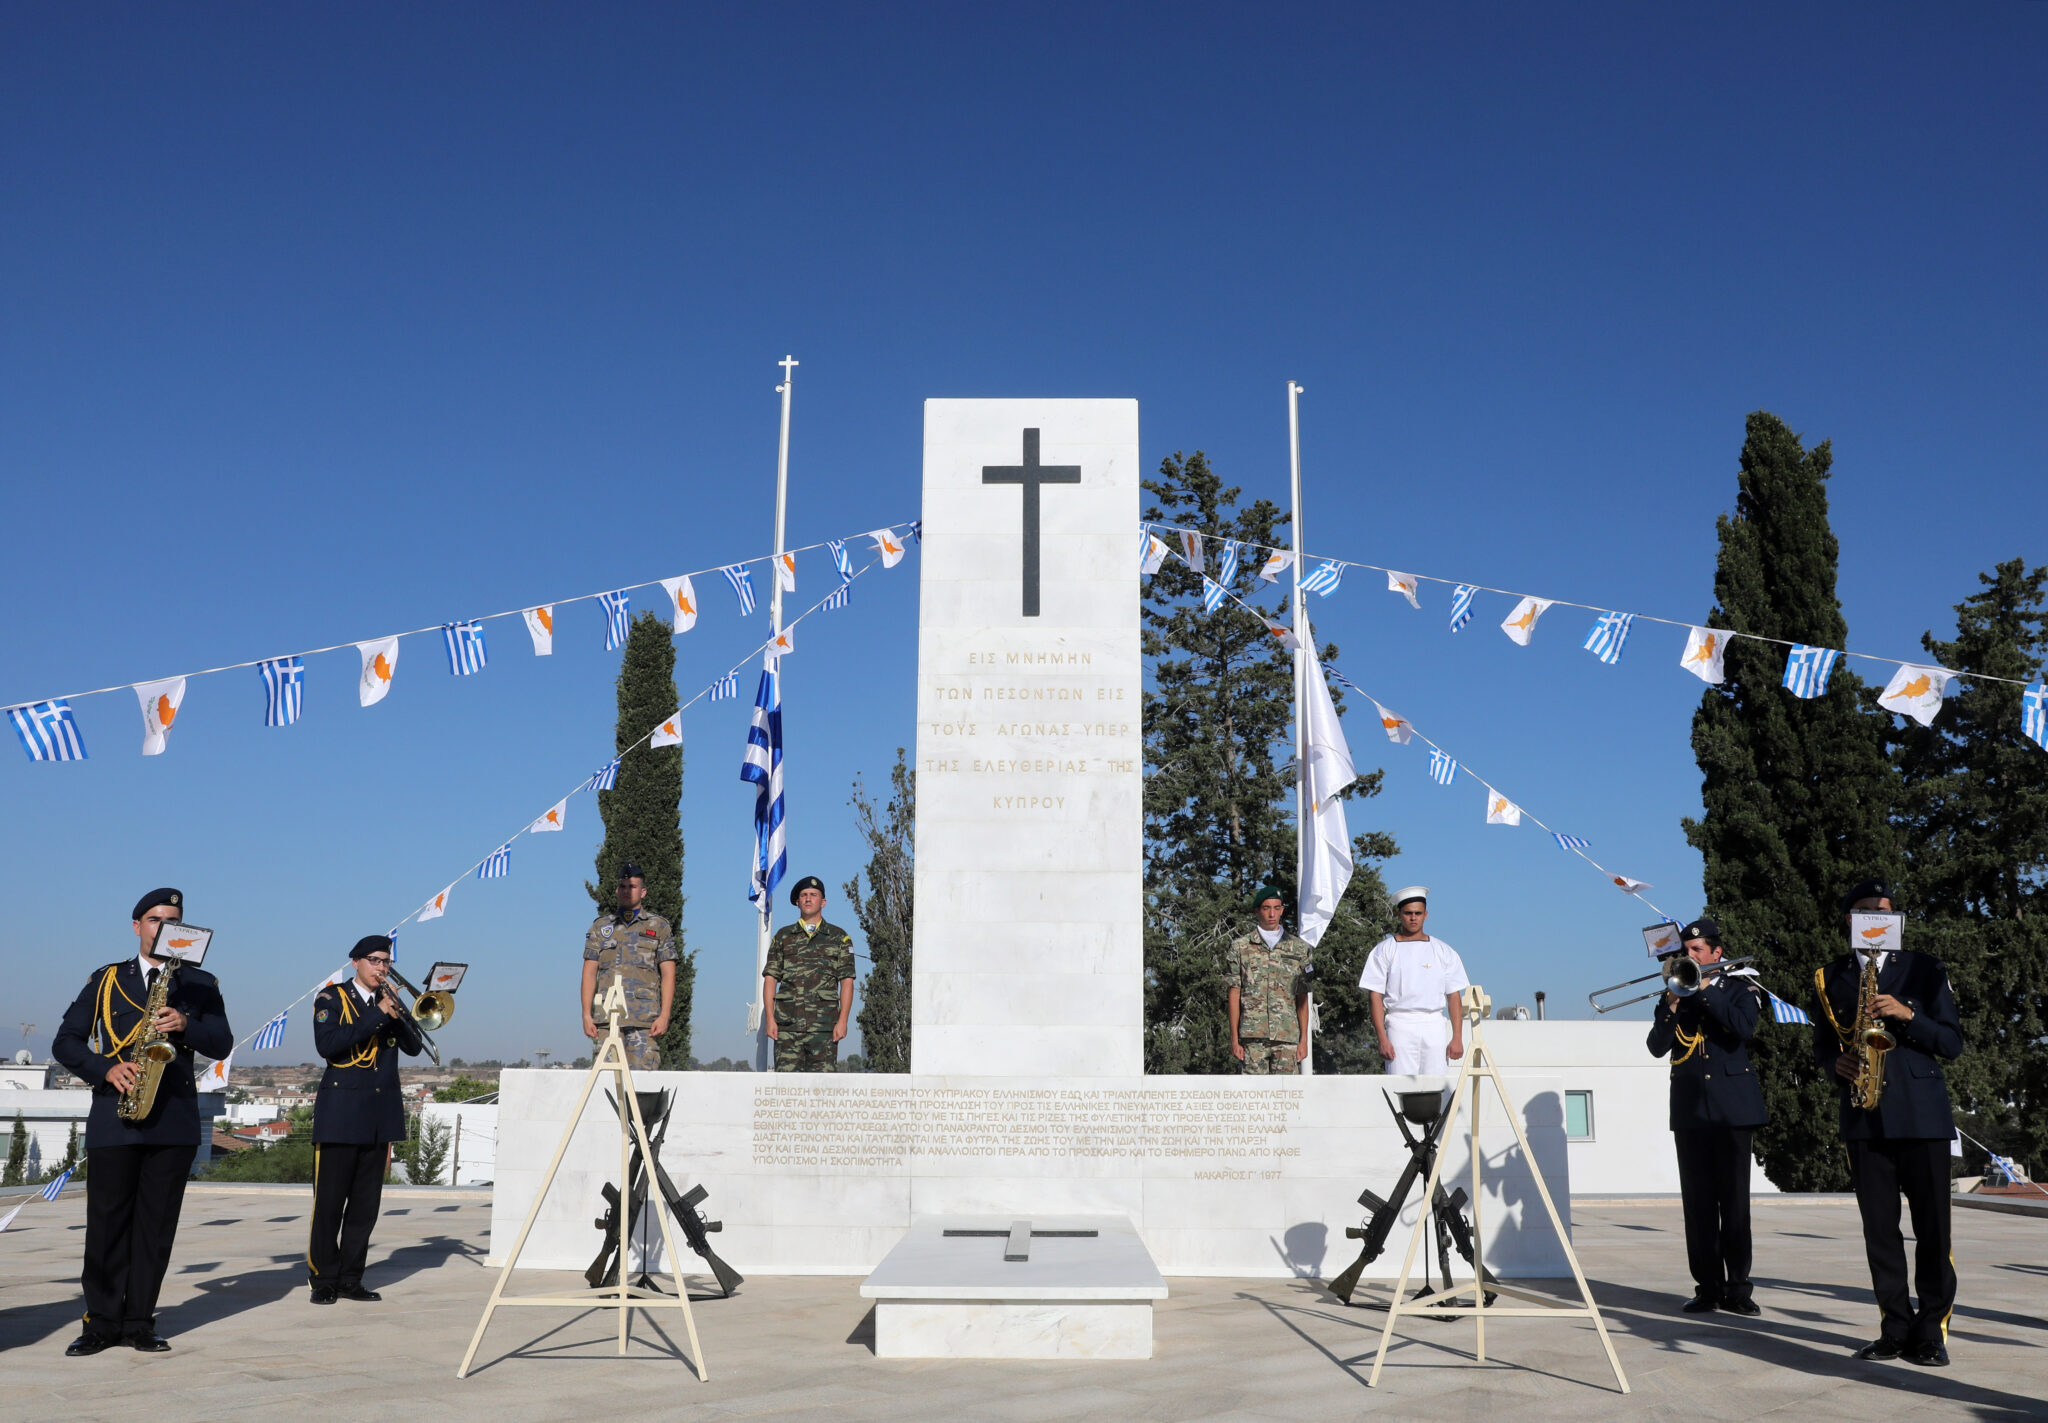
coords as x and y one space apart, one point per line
136 1169
360 1028
1898 1143
1716 1106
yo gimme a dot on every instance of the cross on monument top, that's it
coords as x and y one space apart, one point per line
1032 476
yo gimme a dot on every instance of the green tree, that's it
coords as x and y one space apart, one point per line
1798 793
288 1160
465 1087
72 1147
884 912
1219 794
1974 811
642 819
17 1154
425 1149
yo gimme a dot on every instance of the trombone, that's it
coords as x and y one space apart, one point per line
1681 978
429 1010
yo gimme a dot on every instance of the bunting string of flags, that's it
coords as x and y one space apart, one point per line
48 1193
1916 689
48 729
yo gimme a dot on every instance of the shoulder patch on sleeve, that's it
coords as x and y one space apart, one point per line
321 1016
650 934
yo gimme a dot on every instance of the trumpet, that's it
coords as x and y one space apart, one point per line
429 1010
1681 978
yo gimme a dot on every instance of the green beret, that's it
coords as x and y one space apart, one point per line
1265 892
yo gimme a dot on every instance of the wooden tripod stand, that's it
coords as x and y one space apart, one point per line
1479 1064
611 1057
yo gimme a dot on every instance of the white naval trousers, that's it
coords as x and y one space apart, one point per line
1421 1041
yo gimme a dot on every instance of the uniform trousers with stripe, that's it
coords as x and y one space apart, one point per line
132 1198
1918 1169
1713 1185
348 1188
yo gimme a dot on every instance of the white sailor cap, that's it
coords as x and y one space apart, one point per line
1413 891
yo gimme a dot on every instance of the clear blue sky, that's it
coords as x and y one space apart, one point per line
324 322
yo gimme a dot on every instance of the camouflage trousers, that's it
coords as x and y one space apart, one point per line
1265 1057
806 1049
642 1053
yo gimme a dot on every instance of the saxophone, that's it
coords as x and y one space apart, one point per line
153 1053
1870 1039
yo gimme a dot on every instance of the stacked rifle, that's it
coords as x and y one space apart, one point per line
1425 1110
604 1270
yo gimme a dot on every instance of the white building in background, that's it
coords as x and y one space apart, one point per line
50 1113
472 1140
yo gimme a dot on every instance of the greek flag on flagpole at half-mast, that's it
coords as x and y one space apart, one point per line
841 560
1442 769
271 1036
838 598
618 618
47 731
606 776
742 579
2034 714
498 865
726 688
1461 605
1807 669
1568 842
1324 580
762 764
284 687
465 647
1606 639
56 1187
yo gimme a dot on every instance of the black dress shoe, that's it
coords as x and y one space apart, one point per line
323 1294
1933 1354
1700 1304
148 1341
357 1292
1748 1308
86 1345
1881 1349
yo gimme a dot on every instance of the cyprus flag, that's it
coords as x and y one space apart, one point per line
889 546
1502 811
1397 727
435 907
1521 623
160 703
785 572
557 813
1404 584
1916 692
682 602
540 625
669 733
380 665
1704 649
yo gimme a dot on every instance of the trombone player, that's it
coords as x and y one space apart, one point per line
360 1028
1716 1106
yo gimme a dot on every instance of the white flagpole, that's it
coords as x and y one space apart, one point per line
766 924
1301 634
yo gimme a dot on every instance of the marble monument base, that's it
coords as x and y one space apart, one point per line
993 1287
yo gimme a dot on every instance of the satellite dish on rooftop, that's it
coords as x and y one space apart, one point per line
24 1058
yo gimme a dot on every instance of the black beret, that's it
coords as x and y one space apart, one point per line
1265 892
1702 928
807 882
369 944
629 870
1872 888
172 897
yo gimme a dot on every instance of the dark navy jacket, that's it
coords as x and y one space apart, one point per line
110 1008
1714 1085
1915 1105
359 1099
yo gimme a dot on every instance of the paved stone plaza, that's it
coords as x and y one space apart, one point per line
247 1345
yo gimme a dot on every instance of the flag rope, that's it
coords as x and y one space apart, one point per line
1593 607
430 628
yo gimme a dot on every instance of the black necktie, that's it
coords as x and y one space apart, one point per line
149 983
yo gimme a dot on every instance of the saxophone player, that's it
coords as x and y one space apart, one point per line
136 1170
1899 1143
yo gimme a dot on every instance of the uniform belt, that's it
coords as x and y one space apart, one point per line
1415 1012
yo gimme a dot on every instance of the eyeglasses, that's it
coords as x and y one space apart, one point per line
380 962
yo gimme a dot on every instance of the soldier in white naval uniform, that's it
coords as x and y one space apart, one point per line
1413 979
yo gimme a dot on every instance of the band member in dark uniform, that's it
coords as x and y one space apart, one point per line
136 1170
1899 1144
1716 1106
360 1028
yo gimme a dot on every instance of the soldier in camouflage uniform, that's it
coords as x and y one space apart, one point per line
809 988
1268 972
640 948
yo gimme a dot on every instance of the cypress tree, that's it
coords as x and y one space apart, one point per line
16 1171
1798 792
642 810
1219 794
884 913
1974 810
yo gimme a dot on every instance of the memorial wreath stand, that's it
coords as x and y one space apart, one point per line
611 1057
1479 1064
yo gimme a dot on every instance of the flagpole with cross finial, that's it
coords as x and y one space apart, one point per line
1301 635
766 924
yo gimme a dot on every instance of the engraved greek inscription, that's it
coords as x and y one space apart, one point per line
954 728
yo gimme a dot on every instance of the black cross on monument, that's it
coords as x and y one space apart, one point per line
1031 474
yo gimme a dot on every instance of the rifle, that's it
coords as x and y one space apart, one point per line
1425 1109
696 1228
604 1269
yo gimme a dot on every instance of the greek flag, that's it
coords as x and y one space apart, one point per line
742 579
841 560
1344 681
1212 594
47 731
1324 580
1226 565
618 613
1567 842
726 688
498 865
605 777
51 1191
1807 669
1461 606
917 529
1784 1012
271 1036
1441 768
762 764
465 647
838 598
284 689
1606 639
2034 714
